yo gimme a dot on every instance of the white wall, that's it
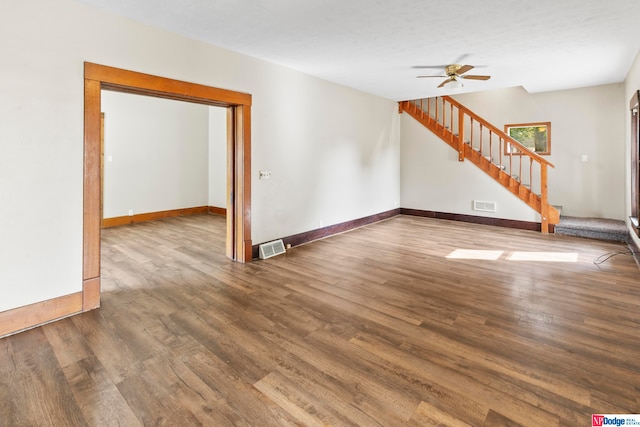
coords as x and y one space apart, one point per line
333 154
333 151
587 121
156 154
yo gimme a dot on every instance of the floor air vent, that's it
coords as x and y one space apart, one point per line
479 205
267 250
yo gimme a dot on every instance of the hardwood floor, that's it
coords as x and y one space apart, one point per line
380 326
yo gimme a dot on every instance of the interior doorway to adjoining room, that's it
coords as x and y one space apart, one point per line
238 105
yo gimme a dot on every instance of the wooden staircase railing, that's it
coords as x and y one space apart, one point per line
514 166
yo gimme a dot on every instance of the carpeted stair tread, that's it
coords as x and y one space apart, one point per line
594 228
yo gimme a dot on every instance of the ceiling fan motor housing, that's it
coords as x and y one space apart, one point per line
452 70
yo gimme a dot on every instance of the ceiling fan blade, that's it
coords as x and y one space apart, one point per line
462 58
473 77
464 69
440 77
450 79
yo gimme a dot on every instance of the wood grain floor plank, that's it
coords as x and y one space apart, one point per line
301 399
249 406
349 376
530 389
445 382
98 397
327 393
494 418
429 415
67 342
107 345
36 387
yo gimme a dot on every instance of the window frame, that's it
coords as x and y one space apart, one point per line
508 150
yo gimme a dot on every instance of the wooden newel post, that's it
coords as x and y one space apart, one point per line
544 205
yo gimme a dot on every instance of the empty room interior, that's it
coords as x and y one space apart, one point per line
329 213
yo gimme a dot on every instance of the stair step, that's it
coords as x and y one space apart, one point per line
593 228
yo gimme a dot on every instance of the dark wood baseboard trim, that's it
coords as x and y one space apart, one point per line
33 315
500 222
321 233
217 211
151 216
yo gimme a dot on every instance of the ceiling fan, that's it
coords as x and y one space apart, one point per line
454 72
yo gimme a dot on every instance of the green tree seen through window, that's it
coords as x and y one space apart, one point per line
534 136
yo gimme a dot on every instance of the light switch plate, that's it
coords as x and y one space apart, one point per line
264 174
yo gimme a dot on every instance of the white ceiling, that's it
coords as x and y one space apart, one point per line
373 45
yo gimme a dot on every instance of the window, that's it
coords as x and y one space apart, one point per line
535 136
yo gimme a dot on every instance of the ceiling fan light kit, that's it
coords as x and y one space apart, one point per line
453 84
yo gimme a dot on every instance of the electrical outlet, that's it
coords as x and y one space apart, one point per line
130 212
264 174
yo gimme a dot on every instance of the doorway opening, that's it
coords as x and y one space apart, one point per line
99 77
161 158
